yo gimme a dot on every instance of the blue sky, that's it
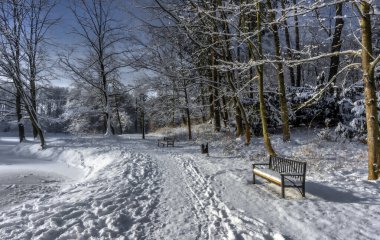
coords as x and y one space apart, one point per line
62 38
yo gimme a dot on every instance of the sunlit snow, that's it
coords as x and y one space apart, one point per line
124 187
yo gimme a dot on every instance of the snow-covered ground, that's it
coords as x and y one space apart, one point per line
127 188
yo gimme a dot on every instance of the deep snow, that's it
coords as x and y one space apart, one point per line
127 188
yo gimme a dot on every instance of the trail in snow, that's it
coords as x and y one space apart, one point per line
220 220
131 189
190 208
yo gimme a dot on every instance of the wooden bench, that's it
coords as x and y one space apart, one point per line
283 172
168 141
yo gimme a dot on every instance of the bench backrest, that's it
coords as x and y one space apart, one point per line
283 165
169 139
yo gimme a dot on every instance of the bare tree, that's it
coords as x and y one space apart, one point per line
102 37
13 19
280 73
38 21
260 73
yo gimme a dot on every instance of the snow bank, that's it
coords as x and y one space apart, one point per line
110 203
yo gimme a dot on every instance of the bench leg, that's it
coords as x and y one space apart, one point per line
303 190
282 186
254 178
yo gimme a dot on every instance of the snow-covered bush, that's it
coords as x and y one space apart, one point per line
352 113
324 107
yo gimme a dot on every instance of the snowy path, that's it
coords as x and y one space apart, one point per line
190 208
138 192
131 189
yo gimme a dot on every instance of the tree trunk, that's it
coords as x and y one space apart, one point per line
336 41
17 80
109 131
188 117
33 97
260 72
215 77
119 120
32 68
239 122
211 102
280 76
203 103
298 47
369 91
215 102
21 128
225 112
240 112
289 54
39 133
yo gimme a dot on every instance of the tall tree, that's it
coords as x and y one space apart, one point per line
233 82
13 20
280 73
38 21
298 44
102 36
260 72
368 65
289 54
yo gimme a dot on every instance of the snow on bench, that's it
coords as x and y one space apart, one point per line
168 141
282 172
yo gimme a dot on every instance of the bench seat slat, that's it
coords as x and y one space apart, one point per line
275 177
272 176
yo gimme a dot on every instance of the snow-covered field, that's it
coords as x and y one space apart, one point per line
127 188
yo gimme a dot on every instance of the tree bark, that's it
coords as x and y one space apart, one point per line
240 112
16 75
336 41
260 72
33 96
32 50
289 54
280 76
216 102
370 93
203 103
188 117
298 47
21 128
224 111
215 78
